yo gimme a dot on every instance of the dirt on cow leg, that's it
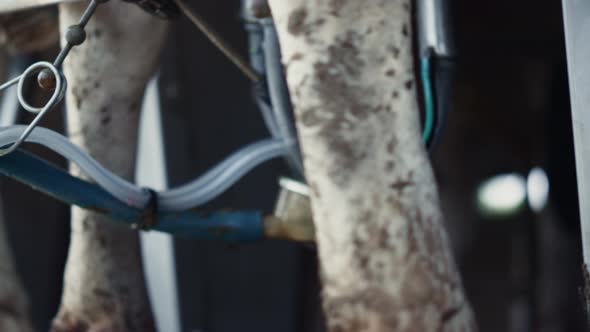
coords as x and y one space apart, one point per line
104 287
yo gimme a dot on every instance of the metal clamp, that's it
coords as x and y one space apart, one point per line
149 216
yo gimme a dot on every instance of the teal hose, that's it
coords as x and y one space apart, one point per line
428 99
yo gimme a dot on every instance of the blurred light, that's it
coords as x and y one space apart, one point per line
502 195
537 189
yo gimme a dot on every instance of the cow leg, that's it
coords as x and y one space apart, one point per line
385 258
104 287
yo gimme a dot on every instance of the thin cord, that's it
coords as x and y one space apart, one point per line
428 100
218 41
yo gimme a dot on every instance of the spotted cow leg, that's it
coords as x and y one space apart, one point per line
104 287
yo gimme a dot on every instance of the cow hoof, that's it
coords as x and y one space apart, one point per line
67 322
99 322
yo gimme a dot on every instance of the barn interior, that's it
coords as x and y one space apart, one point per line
504 164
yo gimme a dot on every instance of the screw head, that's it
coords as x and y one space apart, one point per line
75 35
46 79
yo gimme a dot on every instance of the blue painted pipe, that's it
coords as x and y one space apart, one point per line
53 181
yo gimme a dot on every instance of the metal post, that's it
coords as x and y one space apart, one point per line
157 248
577 35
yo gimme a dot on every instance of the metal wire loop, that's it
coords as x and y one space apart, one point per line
34 69
56 97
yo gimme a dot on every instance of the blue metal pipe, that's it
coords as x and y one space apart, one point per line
53 181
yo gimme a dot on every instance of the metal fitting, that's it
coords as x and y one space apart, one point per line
292 218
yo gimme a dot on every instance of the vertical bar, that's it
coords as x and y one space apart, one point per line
577 36
157 248
9 105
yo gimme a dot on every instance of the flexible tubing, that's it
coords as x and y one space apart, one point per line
112 183
197 192
268 117
219 179
257 61
279 93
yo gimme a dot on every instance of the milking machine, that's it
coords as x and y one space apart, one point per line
171 210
